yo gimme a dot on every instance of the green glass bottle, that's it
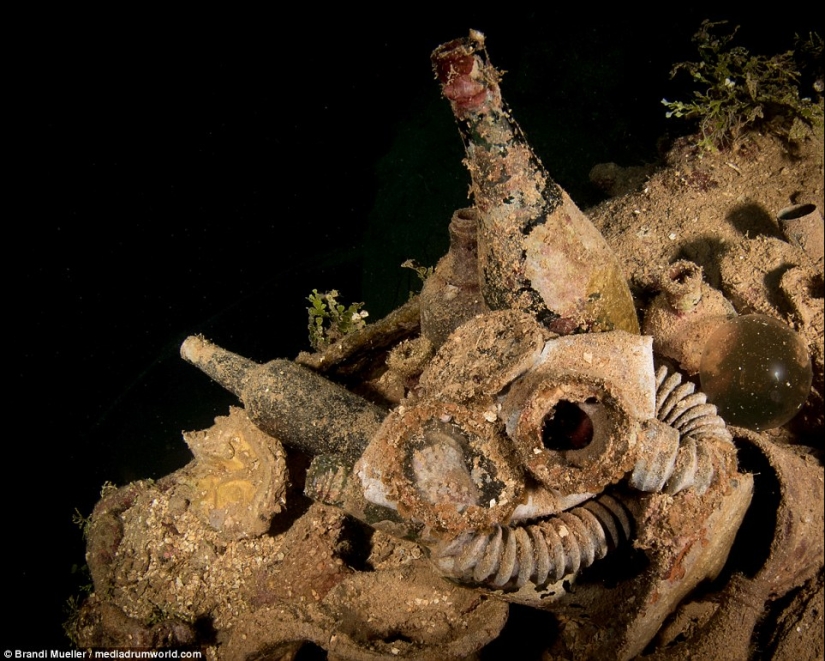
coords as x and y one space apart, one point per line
537 251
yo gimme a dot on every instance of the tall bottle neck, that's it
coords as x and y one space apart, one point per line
503 167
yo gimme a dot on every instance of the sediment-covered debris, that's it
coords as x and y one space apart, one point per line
514 440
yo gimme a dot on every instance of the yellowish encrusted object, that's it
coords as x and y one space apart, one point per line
238 476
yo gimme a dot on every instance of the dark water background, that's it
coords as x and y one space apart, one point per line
204 176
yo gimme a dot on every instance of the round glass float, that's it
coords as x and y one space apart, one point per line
757 371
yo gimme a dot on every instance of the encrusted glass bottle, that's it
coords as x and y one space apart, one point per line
537 251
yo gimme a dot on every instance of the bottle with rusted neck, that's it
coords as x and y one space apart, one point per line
537 251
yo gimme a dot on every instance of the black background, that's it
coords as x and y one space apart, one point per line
203 175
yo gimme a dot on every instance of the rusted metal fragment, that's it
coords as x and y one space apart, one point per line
685 540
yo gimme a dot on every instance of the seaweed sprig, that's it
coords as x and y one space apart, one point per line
739 92
330 320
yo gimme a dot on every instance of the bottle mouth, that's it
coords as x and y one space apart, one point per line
466 78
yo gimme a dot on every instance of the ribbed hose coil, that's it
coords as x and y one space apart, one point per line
540 553
673 460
